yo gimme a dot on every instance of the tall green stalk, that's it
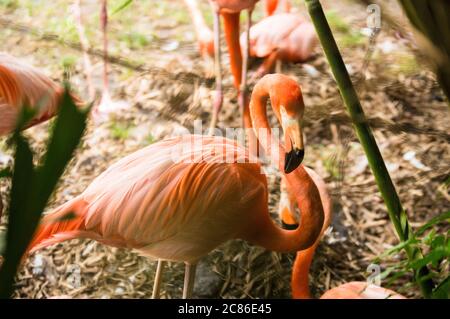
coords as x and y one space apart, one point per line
395 210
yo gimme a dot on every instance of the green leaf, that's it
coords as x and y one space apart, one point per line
404 223
398 247
429 237
121 6
442 291
5 173
67 132
438 241
2 243
22 179
432 222
434 256
17 237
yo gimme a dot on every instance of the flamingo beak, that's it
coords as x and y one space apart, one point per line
293 159
294 139
295 156
289 226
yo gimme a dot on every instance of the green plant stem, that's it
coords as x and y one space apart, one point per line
396 213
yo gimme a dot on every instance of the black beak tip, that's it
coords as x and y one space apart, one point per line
293 160
289 226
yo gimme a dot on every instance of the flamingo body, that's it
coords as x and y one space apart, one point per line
288 34
360 290
173 211
22 84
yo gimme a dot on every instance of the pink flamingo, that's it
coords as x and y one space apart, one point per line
303 260
181 210
23 85
283 37
280 37
205 36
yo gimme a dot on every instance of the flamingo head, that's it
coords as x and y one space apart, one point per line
289 108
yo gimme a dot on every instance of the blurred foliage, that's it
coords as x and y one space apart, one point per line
345 34
436 252
33 185
336 22
11 4
432 19
121 6
135 40
119 131
150 139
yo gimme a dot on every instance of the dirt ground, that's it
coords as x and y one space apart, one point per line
167 86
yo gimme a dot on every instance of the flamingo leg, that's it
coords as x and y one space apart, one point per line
218 98
158 277
85 46
104 25
189 279
242 98
278 66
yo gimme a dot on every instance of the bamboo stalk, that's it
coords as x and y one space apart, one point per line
385 185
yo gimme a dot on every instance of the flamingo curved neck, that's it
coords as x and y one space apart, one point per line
303 259
300 273
304 188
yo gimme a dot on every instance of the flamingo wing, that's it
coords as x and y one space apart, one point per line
171 210
271 33
300 43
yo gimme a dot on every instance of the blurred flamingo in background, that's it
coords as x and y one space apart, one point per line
181 210
283 37
205 36
85 46
23 85
106 105
303 260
